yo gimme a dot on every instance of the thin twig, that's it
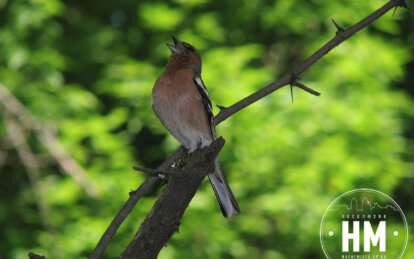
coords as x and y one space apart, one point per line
122 214
227 112
305 88
164 219
48 139
340 37
15 134
134 197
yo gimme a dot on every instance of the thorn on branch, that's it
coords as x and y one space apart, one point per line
154 172
293 78
221 107
338 27
307 89
395 10
294 82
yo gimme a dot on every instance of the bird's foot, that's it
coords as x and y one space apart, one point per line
179 163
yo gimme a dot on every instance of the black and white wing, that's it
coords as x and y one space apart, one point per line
205 98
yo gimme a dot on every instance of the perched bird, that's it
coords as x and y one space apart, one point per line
181 101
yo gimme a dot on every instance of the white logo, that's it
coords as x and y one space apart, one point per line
365 224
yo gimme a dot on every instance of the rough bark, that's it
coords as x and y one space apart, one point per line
164 219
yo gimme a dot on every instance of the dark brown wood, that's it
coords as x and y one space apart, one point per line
134 197
164 219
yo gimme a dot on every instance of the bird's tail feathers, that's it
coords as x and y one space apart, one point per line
224 195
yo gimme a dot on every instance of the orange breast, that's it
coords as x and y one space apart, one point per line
177 104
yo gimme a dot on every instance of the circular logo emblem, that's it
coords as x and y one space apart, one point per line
364 224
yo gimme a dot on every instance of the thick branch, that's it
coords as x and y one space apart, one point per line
225 113
155 172
134 197
122 214
164 219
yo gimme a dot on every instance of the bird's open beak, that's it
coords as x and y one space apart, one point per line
178 46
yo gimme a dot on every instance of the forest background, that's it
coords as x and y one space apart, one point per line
84 71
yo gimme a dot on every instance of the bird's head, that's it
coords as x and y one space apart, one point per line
184 55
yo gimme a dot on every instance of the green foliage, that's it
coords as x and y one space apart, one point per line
88 68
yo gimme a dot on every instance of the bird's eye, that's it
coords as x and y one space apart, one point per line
190 49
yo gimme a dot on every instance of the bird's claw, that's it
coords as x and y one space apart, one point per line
178 163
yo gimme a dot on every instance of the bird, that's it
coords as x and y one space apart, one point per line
181 101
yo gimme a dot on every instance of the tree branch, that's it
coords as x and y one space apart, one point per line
340 37
305 88
164 219
338 27
48 139
225 113
17 138
16 135
134 197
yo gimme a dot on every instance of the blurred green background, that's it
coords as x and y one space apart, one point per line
85 70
